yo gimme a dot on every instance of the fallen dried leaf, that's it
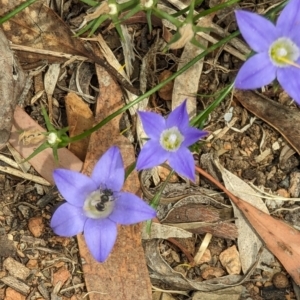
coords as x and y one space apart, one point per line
80 118
126 266
280 238
248 241
166 91
280 117
36 26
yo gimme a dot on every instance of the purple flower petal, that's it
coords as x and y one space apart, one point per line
130 209
178 117
153 124
109 170
192 135
289 79
100 237
256 72
151 155
68 220
294 35
258 32
182 162
289 19
73 186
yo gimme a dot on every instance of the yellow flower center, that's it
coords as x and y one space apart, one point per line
171 139
284 52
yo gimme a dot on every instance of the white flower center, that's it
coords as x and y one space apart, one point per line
52 138
147 3
99 204
113 10
284 52
171 139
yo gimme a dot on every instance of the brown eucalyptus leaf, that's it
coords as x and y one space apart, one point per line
280 238
12 80
282 118
124 274
39 27
80 118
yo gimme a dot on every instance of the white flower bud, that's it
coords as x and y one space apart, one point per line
113 9
52 138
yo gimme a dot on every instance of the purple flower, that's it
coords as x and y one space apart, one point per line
169 139
95 204
277 47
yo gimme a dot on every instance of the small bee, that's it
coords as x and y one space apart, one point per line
106 195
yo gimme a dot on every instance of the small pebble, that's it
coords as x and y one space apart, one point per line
280 280
36 226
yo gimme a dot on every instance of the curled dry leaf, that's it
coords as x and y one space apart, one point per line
162 272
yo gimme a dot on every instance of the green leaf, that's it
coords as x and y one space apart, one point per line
16 11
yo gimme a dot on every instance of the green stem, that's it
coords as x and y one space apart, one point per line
90 2
163 15
183 11
200 119
214 9
155 200
153 90
16 11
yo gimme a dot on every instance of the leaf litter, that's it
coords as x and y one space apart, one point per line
237 152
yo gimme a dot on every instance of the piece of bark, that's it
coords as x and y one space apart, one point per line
16 284
195 212
124 274
12 80
15 268
223 230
